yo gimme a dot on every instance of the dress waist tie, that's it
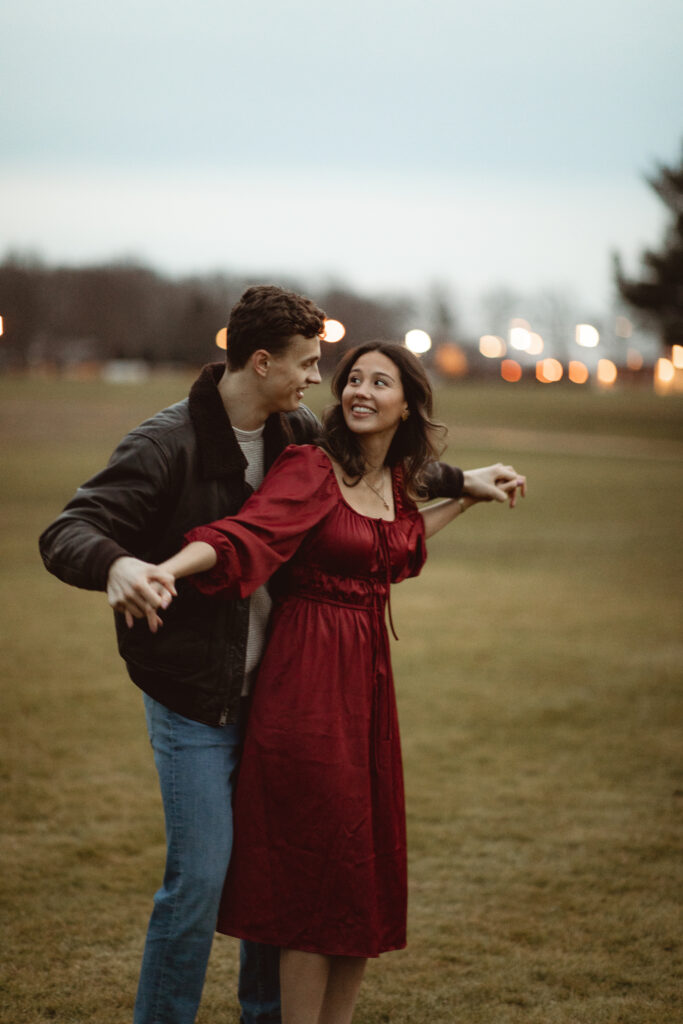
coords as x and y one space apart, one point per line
381 665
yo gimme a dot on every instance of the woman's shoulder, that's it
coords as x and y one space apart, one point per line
300 475
306 455
304 462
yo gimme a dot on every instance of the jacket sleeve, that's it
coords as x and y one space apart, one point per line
297 494
443 481
109 516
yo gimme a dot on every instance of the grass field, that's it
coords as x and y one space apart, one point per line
539 684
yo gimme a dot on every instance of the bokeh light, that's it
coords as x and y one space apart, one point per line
665 371
222 338
665 376
676 352
519 334
623 327
491 346
634 359
333 331
2 327
535 344
418 341
520 338
451 360
577 372
549 371
587 336
606 372
511 371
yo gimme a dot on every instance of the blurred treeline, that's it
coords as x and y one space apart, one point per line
60 316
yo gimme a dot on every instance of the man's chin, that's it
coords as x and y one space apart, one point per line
291 404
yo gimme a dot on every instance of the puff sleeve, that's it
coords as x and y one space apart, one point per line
298 492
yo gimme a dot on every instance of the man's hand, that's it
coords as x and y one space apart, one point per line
494 483
130 590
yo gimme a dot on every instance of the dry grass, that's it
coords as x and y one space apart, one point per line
539 684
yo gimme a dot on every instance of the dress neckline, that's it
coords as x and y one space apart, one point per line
373 519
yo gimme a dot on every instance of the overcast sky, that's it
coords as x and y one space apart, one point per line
386 144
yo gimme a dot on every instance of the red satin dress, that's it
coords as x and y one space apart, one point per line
319 855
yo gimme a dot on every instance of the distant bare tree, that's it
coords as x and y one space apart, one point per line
365 319
22 306
552 314
499 305
126 311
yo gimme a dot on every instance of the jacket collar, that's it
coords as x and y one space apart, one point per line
219 453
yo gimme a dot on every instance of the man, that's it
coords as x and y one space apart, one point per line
191 463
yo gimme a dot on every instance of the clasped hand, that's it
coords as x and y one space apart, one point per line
139 590
494 483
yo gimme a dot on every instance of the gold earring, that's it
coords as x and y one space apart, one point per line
405 414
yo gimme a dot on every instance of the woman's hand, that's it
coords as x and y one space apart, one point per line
137 589
157 582
494 483
490 483
162 583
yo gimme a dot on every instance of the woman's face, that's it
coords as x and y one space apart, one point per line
372 399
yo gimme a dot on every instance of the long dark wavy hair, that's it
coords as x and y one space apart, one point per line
418 439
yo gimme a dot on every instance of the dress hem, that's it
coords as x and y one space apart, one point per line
306 948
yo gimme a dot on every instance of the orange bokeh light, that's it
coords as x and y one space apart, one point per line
634 359
549 371
222 338
511 371
607 372
451 360
491 346
535 344
578 372
665 371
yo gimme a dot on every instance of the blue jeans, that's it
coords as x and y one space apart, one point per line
196 765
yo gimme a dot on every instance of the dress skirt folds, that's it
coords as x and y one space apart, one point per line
319 855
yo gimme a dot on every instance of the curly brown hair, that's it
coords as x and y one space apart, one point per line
267 317
418 439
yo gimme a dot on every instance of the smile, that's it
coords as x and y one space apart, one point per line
361 410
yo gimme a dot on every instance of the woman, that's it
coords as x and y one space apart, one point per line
319 862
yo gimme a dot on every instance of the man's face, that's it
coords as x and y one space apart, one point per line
291 372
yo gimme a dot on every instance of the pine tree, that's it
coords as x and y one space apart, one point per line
658 295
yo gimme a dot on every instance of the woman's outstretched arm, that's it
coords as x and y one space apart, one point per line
504 480
442 513
197 556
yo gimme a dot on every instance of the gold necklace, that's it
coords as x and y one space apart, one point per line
380 494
